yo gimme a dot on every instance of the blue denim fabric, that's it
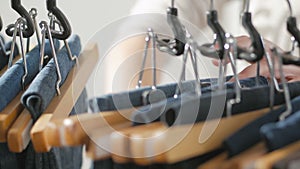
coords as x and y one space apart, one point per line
282 133
43 87
133 98
36 99
249 135
57 158
11 80
190 108
4 58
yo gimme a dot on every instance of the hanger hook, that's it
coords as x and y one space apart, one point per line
292 24
66 32
246 5
290 7
46 30
172 3
29 30
212 5
1 23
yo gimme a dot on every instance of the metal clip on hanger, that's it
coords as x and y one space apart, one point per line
173 46
18 29
57 17
46 30
154 92
189 49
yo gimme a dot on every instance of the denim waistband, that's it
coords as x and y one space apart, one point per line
43 88
282 133
249 135
11 80
5 57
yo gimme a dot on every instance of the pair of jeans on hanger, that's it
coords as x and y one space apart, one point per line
187 164
186 108
133 98
4 57
282 133
11 80
37 98
11 85
249 135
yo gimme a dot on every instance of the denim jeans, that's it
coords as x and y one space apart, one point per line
282 133
36 99
11 80
57 158
4 58
249 135
43 88
128 99
188 108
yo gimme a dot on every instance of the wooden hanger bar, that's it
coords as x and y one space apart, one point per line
9 115
240 161
60 106
268 160
76 130
189 146
99 146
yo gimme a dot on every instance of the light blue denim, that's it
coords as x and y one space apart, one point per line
5 57
11 80
36 99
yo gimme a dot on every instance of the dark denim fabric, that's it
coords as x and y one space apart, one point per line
43 87
8 160
292 161
36 99
11 80
282 133
4 58
57 158
133 98
189 109
249 135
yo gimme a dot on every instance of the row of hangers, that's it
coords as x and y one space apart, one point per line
16 122
109 132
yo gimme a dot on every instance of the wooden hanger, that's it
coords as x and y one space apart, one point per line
268 160
76 130
130 142
238 162
189 146
10 113
256 157
60 106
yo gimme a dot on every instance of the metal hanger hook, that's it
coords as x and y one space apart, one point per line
290 7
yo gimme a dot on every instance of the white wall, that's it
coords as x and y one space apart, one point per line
86 16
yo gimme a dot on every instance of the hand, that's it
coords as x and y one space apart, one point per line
291 72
